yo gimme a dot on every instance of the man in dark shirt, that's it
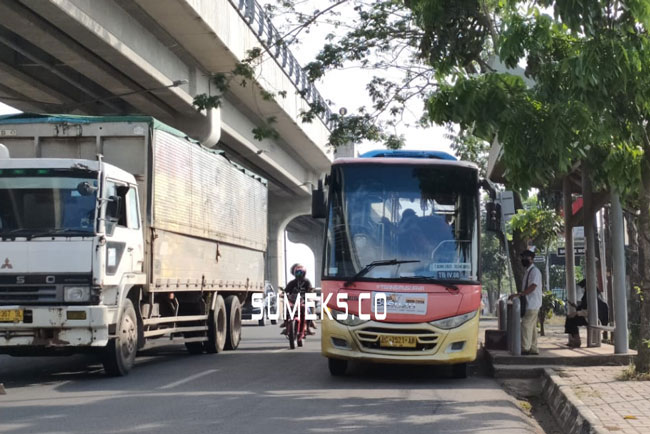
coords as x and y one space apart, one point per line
299 285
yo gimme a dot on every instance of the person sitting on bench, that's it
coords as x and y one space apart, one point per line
579 317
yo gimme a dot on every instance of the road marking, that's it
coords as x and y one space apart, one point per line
188 379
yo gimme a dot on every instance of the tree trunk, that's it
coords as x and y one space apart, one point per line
642 361
541 317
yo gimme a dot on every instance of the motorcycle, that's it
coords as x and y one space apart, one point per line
295 327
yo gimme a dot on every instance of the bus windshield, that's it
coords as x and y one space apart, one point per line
425 217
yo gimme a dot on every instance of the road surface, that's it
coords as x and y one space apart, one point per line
263 387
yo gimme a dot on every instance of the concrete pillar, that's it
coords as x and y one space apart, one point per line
593 335
568 235
312 238
618 277
282 210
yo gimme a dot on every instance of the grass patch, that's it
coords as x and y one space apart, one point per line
630 374
525 406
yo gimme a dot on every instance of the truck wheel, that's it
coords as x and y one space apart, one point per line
194 347
233 336
262 321
460 370
119 355
217 327
337 367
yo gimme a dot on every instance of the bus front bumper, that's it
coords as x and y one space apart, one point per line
378 342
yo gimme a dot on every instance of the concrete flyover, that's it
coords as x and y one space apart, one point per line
101 57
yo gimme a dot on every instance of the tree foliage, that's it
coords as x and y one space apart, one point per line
540 226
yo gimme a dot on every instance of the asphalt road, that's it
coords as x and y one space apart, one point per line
263 387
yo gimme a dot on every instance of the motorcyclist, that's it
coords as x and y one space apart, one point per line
299 285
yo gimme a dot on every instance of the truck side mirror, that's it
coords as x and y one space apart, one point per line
493 216
318 203
113 208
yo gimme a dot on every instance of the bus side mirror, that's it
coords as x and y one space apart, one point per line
493 216
318 203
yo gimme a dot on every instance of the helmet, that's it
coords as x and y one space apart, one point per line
298 270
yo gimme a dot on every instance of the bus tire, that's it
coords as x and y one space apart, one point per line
233 333
119 355
460 370
217 327
337 367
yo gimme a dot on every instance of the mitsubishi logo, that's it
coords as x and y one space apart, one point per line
6 265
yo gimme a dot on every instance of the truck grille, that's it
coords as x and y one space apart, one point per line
26 294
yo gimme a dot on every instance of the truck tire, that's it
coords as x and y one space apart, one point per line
262 321
217 327
194 347
233 309
119 355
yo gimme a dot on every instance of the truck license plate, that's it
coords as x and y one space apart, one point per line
397 341
12 315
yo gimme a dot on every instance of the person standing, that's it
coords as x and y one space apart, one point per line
532 291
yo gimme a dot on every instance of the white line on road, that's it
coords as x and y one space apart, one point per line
188 379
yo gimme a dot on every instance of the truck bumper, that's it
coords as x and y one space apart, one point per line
51 327
434 346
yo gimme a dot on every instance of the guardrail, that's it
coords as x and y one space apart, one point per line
260 23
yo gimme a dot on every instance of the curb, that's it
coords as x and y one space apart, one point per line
569 411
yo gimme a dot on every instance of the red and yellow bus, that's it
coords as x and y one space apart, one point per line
402 239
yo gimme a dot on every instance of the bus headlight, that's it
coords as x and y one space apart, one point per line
350 321
453 321
76 293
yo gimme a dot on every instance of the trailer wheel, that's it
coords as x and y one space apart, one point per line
233 336
262 321
194 347
119 355
217 326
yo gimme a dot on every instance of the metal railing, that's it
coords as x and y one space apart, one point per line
271 39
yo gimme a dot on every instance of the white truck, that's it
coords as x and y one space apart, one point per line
119 232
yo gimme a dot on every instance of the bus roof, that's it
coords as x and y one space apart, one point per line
405 153
405 162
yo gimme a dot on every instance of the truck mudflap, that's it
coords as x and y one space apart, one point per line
57 327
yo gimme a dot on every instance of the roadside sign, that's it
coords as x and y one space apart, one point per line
578 251
539 259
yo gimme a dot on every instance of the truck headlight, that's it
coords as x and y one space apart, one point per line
453 321
350 321
76 293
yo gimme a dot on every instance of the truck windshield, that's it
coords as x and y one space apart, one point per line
37 202
423 217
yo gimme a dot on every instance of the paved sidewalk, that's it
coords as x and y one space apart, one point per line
581 385
618 406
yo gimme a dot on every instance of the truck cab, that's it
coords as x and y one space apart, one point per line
70 239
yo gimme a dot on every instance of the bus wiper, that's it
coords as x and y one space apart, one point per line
60 231
435 281
374 264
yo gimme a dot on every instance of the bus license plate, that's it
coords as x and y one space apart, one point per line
398 341
12 315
